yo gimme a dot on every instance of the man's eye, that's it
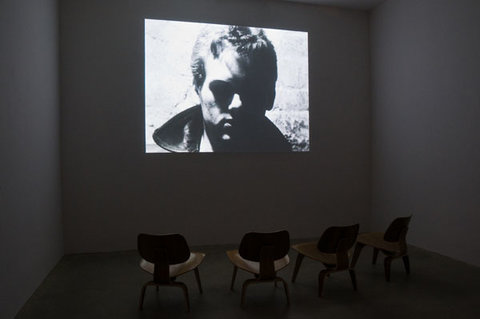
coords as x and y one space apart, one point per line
222 91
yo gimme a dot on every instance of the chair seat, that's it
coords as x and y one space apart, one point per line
175 270
376 240
253 266
310 250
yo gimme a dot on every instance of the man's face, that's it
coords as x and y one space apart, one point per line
231 99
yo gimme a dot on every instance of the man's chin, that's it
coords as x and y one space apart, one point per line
230 140
227 143
226 138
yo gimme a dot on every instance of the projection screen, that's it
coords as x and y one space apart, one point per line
225 88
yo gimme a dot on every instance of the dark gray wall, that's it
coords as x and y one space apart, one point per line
426 115
112 190
30 220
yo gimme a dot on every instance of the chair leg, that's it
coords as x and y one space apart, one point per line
244 290
387 262
321 279
248 282
233 277
356 254
297 266
197 276
375 255
406 263
285 286
142 295
185 293
354 279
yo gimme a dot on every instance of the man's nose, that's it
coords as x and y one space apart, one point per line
236 103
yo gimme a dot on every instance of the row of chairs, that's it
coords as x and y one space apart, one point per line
264 254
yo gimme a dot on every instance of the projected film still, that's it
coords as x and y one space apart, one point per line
225 88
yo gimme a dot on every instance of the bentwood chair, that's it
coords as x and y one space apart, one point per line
263 255
166 257
392 243
332 250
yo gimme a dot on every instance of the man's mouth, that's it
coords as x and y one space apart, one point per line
227 131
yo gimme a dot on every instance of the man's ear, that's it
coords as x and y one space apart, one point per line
270 98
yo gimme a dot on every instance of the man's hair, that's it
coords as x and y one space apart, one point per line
250 43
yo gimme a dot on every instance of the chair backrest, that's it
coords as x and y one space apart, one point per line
155 248
338 239
162 251
252 244
265 248
397 229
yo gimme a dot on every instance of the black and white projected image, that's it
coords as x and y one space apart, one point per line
224 88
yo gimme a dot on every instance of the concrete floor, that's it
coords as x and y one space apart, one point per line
107 285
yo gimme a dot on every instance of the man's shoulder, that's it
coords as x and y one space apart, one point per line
182 133
271 139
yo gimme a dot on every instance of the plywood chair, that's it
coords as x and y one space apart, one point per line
263 255
392 243
331 250
166 257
